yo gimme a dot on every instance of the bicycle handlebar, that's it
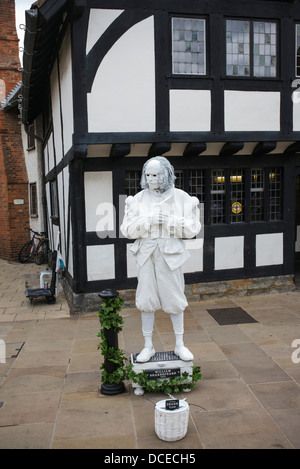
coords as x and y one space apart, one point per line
37 233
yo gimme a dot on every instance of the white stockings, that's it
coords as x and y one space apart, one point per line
178 327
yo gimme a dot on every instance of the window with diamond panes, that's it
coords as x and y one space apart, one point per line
238 47
257 195
297 50
132 182
264 49
217 196
251 48
188 46
275 193
237 195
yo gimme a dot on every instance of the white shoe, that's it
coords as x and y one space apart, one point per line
145 355
184 353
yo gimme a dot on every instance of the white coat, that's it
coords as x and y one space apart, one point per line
183 222
159 249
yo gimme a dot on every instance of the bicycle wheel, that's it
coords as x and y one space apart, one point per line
41 255
25 252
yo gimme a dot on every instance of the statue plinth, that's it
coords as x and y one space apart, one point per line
163 365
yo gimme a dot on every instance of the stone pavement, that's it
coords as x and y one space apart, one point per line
249 396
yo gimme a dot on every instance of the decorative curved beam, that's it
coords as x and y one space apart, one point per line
264 147
118 27
230 148
194 149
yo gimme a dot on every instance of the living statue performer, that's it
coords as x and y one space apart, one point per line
158 218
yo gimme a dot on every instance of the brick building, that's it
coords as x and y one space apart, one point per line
13 175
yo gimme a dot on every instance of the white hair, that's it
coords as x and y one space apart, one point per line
166 177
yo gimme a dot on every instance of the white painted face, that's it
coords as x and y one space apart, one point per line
152 173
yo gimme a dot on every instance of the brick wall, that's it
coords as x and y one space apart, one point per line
14 218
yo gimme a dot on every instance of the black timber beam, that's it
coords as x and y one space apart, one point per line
264 147
118 150
230 148
159 148
194 149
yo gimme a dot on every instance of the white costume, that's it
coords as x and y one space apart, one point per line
158 220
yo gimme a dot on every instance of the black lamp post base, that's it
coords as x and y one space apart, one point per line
111 389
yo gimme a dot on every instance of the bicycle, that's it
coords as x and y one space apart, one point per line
38 248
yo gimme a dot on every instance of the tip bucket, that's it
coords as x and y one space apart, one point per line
171 425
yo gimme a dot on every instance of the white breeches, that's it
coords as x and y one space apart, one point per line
159 287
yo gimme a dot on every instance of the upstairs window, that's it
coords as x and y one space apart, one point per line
251 48
188 46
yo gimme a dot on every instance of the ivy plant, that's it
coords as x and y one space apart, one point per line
110 318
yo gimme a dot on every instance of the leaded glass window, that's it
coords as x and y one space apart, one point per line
188 39
275 193
179 179
251 48
264 49
257 195
217 197
237 195
238 47
132 182
196 184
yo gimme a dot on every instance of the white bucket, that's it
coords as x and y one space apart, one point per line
171 425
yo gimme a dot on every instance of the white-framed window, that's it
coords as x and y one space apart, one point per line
188 46
251 48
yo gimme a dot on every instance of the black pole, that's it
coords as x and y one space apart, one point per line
111 389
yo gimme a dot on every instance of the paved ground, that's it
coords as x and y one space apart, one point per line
249 396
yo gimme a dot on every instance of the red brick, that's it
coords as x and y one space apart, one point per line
14 219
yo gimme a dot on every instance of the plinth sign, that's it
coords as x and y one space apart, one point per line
163 365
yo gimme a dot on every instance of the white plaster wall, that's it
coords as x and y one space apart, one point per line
229 252
50 147
100 262
61 201
252 111
99 21
54 87
122 98
65 69
190 110
269 249
98 200
33 167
